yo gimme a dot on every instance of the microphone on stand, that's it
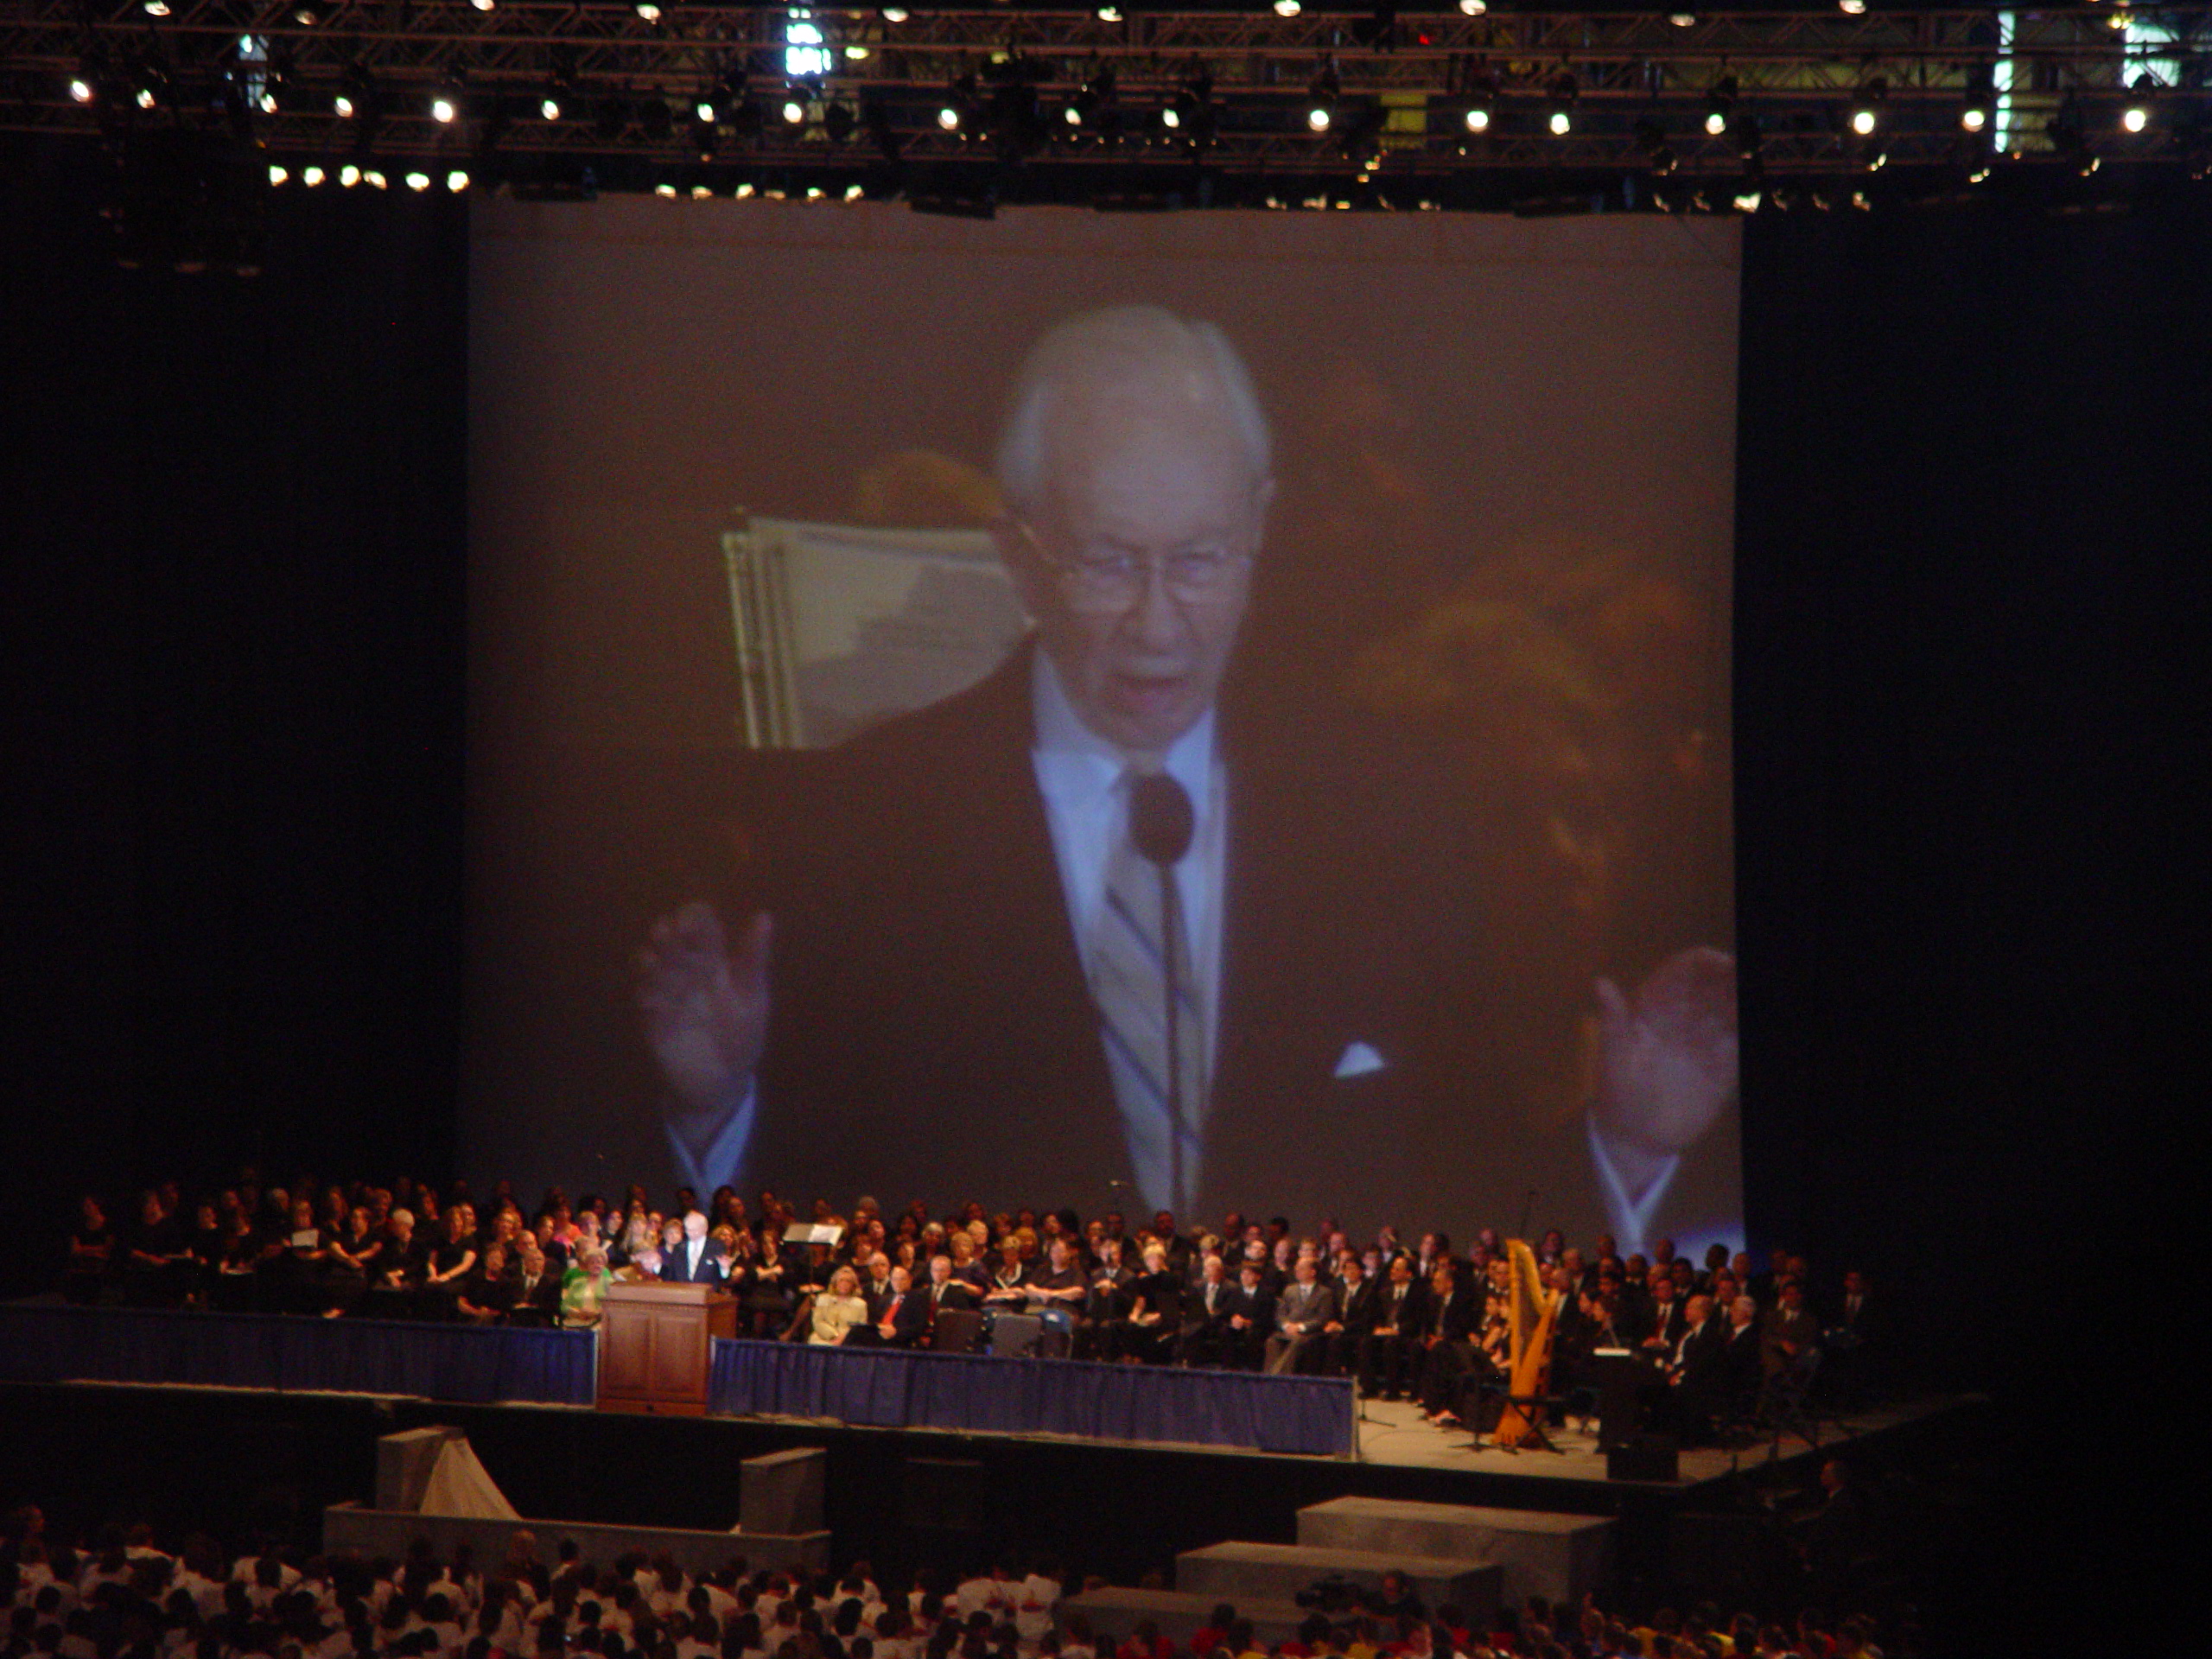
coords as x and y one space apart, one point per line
1160 825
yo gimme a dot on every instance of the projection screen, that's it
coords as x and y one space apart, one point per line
1402 542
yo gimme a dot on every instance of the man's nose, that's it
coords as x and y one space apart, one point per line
1154 618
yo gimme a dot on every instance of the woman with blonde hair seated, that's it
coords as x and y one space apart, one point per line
838 1309
584 1287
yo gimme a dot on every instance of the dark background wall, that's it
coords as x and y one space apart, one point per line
1973 516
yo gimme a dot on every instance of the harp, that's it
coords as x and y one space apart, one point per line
1532 1317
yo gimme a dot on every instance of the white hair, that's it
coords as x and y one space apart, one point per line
1124 346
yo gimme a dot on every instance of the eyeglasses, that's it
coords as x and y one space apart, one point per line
1101 584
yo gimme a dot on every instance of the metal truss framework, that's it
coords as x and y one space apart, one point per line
1232 90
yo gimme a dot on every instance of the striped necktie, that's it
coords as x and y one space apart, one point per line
1128 980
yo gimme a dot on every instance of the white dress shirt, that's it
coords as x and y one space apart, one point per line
1079 774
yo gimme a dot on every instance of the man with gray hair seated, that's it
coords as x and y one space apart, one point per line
1099 923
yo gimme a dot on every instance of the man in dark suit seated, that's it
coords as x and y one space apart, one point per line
1389 1358
1203 1339
1357 1299
697 1260
1450 1354
899 1320
1251 1319
538 1287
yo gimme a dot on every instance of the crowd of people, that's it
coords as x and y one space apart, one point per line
122 1595
1418 1320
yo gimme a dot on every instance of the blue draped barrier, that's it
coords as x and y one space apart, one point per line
41 1343
984 1394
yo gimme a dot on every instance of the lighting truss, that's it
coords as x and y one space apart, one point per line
1408 78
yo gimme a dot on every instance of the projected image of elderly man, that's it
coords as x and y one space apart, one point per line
1104 924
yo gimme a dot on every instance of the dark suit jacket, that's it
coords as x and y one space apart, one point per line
1357 1305
926 980
911 1318
708 1272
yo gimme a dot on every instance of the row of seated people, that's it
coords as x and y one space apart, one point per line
1416 1321
121 1596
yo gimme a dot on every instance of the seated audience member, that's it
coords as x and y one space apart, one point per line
1153 1326
1303 1309
1009 1280
1251 1318
898 1322
295 1272
944 1294
402 1260
353 1260
538 1287
1389 1359
767 1293
1357 1299
156 1267
583 1288
1057 1291
1789 1331
836 1309
1452 1357
487 1294
1106 1302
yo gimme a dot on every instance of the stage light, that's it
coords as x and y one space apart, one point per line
157 8
1110 14
794 111
1974 118
894 14
2137 116
1683 19
1561 93
648 10
1479 118
856 54
549 108
308 13
146 99
1852 7
1719 104
665 191
342 106
375 180
419 182
311 176
1473 8
278 174
349 176
948 118
445 109
744 192
1866 106
703 109
80 89
1171 118
1287 8
1321 97
483 5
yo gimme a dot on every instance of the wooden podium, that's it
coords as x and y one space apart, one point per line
656 1343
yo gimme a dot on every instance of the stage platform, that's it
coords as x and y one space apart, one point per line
186 1455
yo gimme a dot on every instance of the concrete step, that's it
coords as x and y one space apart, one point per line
1239 1573
1563 1557
1115 1613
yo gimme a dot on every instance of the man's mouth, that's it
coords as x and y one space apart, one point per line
1147 697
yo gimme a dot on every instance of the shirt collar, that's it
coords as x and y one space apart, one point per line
1080 762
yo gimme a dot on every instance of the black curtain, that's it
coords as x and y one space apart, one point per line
234 594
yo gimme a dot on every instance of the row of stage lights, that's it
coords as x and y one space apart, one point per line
1189 112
